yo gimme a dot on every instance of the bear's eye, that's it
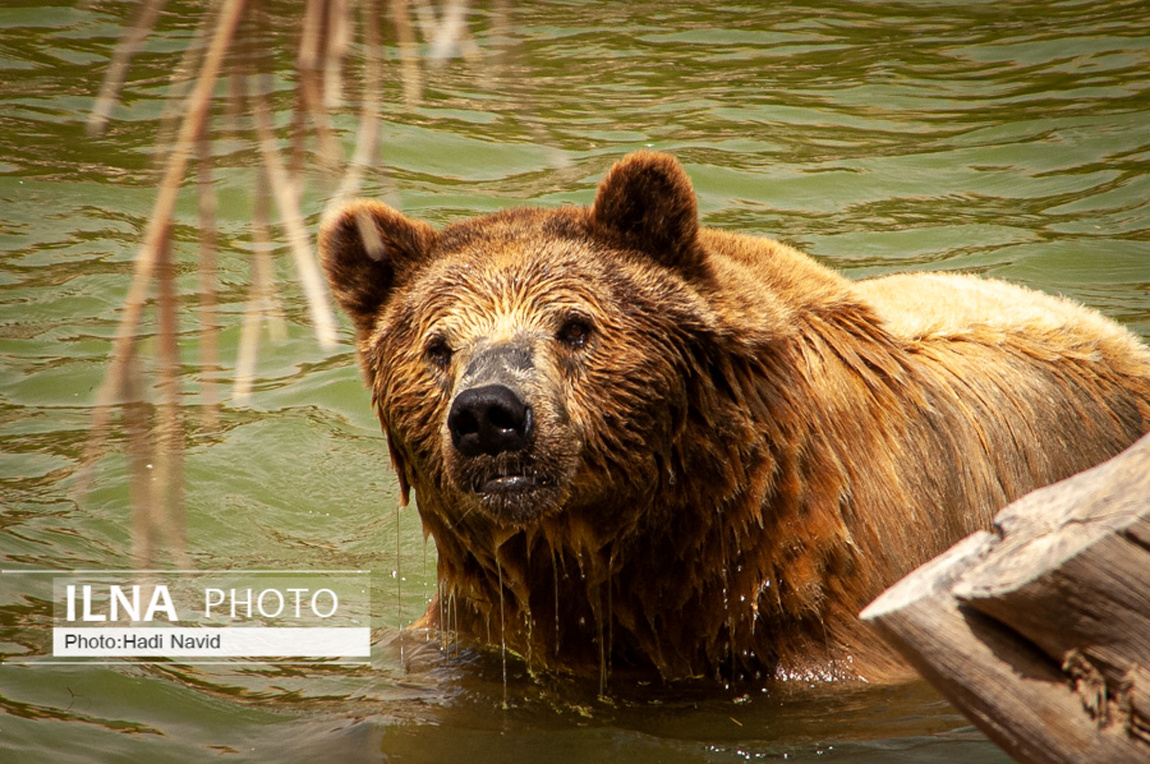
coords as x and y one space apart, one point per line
438 352
575 332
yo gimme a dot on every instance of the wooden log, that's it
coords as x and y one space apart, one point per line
1040 631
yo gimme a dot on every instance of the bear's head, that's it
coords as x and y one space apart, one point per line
594 407
532 361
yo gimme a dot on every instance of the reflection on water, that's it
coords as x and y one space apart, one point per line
1007 139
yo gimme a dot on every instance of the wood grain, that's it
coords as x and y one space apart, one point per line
1040 631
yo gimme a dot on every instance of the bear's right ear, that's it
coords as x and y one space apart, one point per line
368 249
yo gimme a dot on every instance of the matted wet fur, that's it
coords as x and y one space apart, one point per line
640 443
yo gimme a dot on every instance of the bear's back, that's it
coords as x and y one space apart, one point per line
948 306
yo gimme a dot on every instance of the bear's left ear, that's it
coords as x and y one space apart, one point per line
368 249
646 203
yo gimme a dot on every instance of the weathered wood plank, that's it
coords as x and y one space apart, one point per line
1040 632
1070 572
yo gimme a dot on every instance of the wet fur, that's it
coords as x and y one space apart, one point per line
750 449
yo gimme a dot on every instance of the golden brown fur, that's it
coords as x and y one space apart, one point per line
733 449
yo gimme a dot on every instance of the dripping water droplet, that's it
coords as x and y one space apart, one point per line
502 631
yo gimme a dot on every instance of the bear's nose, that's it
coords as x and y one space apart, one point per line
489 420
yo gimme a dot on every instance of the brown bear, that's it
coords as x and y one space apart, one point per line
641 443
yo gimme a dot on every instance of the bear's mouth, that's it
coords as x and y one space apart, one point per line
510 491
508 483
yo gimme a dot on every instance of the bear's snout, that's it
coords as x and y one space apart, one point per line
507 448
490 420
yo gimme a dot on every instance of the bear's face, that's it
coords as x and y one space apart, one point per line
530 362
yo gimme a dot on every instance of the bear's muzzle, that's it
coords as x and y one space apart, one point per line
497 456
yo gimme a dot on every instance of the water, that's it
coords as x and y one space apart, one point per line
1009 140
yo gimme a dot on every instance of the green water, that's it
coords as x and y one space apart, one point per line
1007 139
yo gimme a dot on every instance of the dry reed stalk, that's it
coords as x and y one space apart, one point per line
448 33
208 279
167 510
372 241
317 55
287 200
181 81
118 68
367 136
137 426
409 72
158 231
340 25
260 305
